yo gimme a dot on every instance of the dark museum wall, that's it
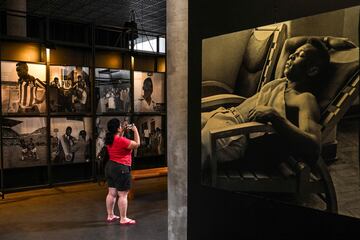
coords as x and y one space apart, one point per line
219 214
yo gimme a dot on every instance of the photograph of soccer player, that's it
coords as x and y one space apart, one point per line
23 87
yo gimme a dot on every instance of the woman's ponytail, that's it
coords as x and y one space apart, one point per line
113 126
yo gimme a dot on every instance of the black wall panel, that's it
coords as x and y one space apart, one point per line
216 214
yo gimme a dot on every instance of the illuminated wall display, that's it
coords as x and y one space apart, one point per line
70 140
23 87
149 92
24 142
235 159
112 90
51 130
152 135
69 89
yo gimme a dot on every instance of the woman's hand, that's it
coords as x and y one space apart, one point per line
262 114
133 128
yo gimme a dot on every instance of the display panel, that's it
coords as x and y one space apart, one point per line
23 87
112 90
149 92
151 132
310 157
69 89
70 140
24 142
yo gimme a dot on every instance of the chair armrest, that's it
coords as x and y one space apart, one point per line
241 128
238 129
220 100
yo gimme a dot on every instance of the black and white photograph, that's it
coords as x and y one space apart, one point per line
70 140
276 111
149 92
69 89
151 134
23 87
112 90
101 130
24 142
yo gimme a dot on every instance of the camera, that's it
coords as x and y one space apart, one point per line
129 126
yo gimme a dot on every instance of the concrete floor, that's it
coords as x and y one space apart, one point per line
78 212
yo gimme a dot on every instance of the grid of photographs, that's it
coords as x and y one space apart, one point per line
69 89
112 90
23 87
71 139
24 142
149 92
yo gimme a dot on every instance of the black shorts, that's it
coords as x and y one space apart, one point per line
118 176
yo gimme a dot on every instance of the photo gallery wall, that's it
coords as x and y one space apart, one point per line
29 99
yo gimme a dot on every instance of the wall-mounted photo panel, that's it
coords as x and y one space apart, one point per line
23 87
149 92
70 139
69 89
24 142
112 90
152 135
299 78
101 130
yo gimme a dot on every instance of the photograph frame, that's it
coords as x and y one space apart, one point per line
342 51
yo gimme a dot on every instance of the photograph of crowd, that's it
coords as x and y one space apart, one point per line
112 90
149 92
23 87
24 142
69 89
151 136
70 140
101 130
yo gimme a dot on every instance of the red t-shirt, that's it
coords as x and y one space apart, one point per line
118 151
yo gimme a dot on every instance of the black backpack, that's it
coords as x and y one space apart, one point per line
101 159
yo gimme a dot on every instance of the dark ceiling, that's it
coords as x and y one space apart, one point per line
150 14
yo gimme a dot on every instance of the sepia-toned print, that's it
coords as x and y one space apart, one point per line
70 140
69 89
275 123
112 90
23 87
24 142
149 92
151 136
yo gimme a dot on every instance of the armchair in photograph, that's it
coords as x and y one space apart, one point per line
294 175
257 67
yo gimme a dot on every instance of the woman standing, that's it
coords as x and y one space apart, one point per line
117 170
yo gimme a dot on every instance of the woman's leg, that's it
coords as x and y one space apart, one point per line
123 203
110 203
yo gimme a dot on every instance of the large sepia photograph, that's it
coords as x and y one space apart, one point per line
149 92
151 134
24 142
69 89
280 112
23 87
112 90
70 140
